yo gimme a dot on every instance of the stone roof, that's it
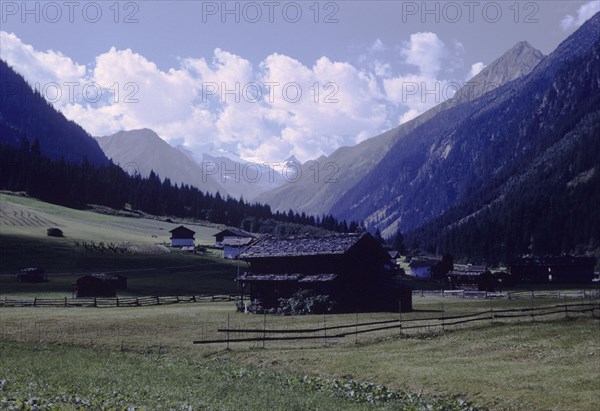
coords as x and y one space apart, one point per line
316 278
237 241
182 230
303 245
562 260
423 263
234 232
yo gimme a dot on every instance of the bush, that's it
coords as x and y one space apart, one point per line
305 302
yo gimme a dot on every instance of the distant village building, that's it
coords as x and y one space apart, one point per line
422 268
565 269
471 277
32 275
95 286
233 246
230 233
54 232
394 258
182 237
349 268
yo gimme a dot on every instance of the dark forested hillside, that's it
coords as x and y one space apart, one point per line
551 206
24 168
25 113
345 168
475 157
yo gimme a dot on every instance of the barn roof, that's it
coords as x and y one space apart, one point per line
269 277
545 261
303 245
234 232
470 273
301 278
318 278
423 263
181 230
237 241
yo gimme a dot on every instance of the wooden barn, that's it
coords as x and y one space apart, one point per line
182 237
422 268
230 234
565 269
32 275
233 246
350 268
394 258
472 277
95 286
54 232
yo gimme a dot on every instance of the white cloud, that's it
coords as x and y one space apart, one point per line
415 93
583 14
36 66
425 50
209 102
475 70
377 46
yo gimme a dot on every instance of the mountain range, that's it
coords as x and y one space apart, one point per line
319 196
508 166
467 147
24 113
142 151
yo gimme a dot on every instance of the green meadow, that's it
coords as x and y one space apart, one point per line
144 357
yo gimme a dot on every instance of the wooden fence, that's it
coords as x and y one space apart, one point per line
410 326
112 302
510 295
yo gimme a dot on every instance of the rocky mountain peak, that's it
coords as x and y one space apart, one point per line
517 62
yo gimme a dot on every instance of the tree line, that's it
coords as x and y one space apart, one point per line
76 185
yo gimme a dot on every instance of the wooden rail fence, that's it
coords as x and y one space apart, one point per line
102 302
510 295
410 325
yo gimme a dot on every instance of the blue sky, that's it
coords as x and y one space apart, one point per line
265 79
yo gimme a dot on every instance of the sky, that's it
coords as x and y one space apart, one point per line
265 79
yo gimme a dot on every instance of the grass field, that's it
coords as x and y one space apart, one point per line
527 365
151 268
113 358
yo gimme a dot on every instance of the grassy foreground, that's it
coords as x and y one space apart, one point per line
58 377
539 365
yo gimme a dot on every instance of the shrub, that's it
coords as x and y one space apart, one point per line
305 302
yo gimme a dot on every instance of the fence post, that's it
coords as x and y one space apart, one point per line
117 301
532 312
566 308
34 301
400 317
228 331
442 307
492 310
356 329
65 301
264 328
324 330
